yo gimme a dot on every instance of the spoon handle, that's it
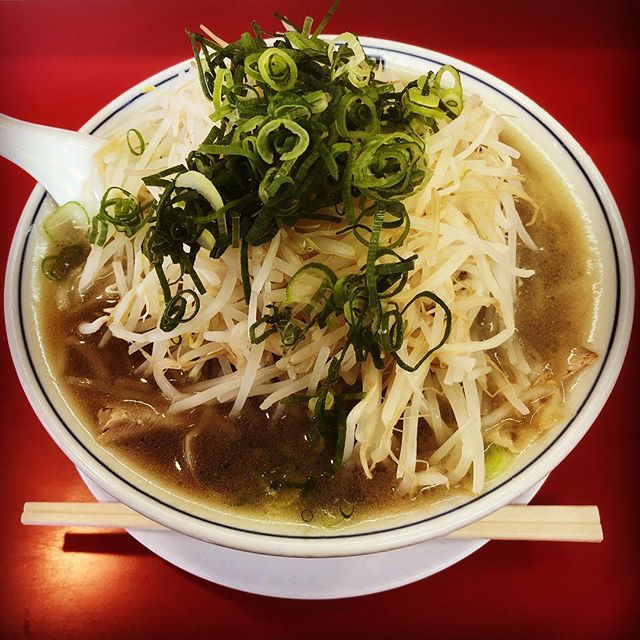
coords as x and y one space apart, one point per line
58 159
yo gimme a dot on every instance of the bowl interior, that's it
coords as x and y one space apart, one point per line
609 335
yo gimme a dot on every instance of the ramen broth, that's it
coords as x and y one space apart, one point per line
256 463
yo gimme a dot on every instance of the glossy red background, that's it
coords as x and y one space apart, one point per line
59 63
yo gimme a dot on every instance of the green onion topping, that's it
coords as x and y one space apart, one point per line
303 131
135 142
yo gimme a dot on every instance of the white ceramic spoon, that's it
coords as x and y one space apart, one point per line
58 159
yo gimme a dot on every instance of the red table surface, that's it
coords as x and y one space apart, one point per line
62 61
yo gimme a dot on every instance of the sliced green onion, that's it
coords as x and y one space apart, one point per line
244 271
327 17
496 460
135 149
356 117
196 181
277 69
57 267
176 309
288 145
222 81
389 166
452 97
445 336
372 255
309 283
207 240
68 223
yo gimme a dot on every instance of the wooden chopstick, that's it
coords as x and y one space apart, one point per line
513 522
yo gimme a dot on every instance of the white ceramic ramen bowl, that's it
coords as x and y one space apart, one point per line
610 335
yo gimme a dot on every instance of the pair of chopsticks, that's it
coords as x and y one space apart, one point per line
513 522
